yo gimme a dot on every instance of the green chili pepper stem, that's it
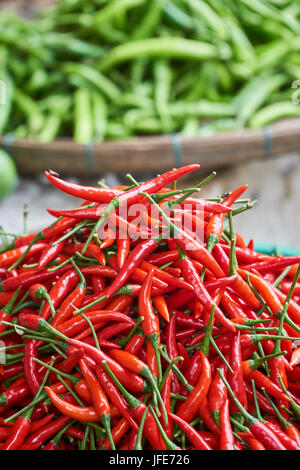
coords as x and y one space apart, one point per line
169 444
176 371
208 332
220 354
147 374
138 443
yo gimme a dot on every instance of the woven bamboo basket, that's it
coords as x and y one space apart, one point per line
156 153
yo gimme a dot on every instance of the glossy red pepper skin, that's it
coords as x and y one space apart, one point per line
227 438
217 395
189 408
18 434
236 379
44 434
191 275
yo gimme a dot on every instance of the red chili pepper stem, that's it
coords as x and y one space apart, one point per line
169 444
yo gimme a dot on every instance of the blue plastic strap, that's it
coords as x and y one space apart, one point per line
178 159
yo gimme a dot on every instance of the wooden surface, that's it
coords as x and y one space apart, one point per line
155 154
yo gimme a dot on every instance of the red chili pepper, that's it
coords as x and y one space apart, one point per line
226 438
189 408
195 438
236 379
217 395
190 275
214 227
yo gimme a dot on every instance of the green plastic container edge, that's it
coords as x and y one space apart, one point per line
269 249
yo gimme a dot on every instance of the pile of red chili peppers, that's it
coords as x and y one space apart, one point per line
135 341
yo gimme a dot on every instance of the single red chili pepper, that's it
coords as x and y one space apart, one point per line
191 275
19 432
40 423
138 409
114 395
161 306
37 439
134 344
123 249
207 418
118 431
99 398
8 258
253 443
195 438
84 414
150 323
188 408
50 253
27 279
30 365
72 302
226 438
101 195
236 379
258 429
6 310
60 291
217 395
15 393
172 349
214 227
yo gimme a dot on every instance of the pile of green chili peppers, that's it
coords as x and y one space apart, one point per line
114 69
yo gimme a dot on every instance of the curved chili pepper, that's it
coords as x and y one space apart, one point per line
191 275
189 408
195 438
72 302
236 379
217 395
114 395
214 228
226 438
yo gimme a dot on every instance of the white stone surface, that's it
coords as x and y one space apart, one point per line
275 183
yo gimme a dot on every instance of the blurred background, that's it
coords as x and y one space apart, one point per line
97 89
